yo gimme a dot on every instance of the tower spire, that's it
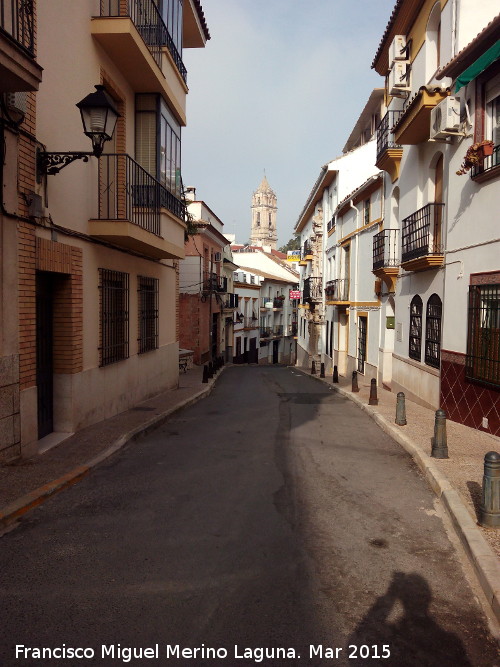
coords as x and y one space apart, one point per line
264 210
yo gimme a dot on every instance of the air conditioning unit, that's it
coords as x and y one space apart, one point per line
399 80
217 257
16 105
445 118
397 49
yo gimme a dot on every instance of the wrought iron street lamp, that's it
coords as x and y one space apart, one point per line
99 116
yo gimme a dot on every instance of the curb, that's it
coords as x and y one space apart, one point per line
481 556
12 512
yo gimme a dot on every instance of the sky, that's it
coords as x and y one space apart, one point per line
278 88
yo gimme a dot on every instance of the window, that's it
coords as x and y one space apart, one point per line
415 346
158 141
171 13
492 115
148 314
483 335
270 220
113 307
433 331
258 219
366 211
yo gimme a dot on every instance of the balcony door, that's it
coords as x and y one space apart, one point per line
438 199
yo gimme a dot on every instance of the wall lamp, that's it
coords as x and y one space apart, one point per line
99 116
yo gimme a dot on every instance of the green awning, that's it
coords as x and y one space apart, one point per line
488 57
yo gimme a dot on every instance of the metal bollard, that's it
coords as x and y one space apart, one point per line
210 369
373 400
401 409
322 371
354 387
489 512
439 444
313 368
205 374
335 377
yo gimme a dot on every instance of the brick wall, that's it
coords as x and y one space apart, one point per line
189 324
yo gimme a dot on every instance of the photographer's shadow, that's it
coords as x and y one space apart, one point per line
401 620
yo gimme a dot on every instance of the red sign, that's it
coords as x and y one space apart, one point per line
295 294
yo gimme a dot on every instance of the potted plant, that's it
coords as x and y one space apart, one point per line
475 155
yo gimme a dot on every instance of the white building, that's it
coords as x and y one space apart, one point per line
430 210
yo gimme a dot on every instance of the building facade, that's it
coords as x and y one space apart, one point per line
203 288
99 239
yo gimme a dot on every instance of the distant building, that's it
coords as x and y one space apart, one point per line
264 211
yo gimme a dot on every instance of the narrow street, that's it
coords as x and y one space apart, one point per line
272 515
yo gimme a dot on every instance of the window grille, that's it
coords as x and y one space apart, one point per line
433 331
483 336
114 320
148 314
362 326
415 342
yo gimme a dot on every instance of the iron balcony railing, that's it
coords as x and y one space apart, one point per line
385 137
312 289
231 301
250 322
306 250
129 192
277 330
337 290
214 283
330 224
266 332
16 19
386 249
278 302
421 233
489 162
150 25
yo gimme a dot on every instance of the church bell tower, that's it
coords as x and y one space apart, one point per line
264 212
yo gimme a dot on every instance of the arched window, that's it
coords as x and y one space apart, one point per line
270 220
415 343
258 219
433 331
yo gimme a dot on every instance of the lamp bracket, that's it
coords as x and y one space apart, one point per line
52 163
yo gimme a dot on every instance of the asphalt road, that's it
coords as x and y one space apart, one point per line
272 516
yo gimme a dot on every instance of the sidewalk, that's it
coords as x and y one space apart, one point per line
457 480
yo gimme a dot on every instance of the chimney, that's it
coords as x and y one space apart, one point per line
190 194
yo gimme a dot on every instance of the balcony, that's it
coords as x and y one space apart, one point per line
389 153
133 34
337 291
230 301
266 332
277 331
214 283
489 168
135 211
421 239
413 127
18 69
312 291
386 257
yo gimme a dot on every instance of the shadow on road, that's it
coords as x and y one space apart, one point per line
401 620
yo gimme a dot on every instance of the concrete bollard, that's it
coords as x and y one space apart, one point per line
335 375
313 368
354 387
401 409
489 512
322 371
439 443
373 400
205 374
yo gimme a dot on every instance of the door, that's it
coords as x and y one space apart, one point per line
362 326
254 359
44 353
438 212
276 348
237 356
